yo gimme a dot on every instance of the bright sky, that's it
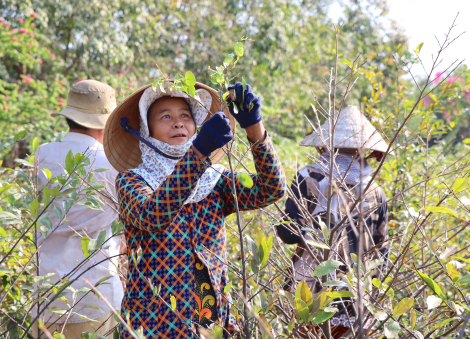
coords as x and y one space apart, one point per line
422 19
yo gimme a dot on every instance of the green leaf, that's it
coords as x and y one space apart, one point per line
413 319
265 249
403 306
23 162
391 329
245 180
302 311
47 173
459 184
418 48
102 280
34 206
173 302
339 294
69 162
441 209
228 59
19 135
317 243
433 97
324 229
291 325
445 322
335 283
303 293
326 267
464 280
84 244
58 212
35 144
3 233
431 284
5 188
322 316
453 273
190 78
463 259
191 91
466 141
238 49
46 193
228 286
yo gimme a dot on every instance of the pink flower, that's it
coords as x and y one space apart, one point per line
33 25
438 77
20 20
426 101
33 15
27 79
7 96
48 51
40 61
53 56
456 112
131 81
453 104
454 79
446 113
121 74
79 79
31 35
448 119
23 31
14 30
60 100
129 88
29 45
2 21
13 38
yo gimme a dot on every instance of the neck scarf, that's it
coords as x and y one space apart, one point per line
346 167
155 168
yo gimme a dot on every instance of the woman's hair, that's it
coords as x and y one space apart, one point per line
153 103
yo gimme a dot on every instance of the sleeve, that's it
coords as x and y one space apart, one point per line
269 182
302 187
151 210
380 235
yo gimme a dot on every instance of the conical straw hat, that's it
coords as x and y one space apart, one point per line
122 149
353 130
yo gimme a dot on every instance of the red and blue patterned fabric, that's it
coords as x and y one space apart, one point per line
175 238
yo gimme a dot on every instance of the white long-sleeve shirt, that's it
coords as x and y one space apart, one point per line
60 252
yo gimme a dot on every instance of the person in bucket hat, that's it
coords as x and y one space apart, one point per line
89 105
308 204
174 199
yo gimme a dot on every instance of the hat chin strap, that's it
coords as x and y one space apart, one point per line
135 133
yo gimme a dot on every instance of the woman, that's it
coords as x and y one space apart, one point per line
173 204
351 183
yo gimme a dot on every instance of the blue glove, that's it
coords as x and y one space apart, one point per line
214 134
249 113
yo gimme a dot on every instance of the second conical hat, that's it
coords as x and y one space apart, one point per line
352 130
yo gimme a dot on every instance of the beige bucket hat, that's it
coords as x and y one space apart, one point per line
122 149
89 104
353 130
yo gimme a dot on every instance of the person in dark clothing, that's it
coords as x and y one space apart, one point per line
307 207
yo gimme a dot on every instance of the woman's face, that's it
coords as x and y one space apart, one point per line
170 121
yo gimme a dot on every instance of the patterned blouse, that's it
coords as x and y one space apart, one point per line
179 242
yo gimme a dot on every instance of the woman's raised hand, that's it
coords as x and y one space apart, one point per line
214 134
249 111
